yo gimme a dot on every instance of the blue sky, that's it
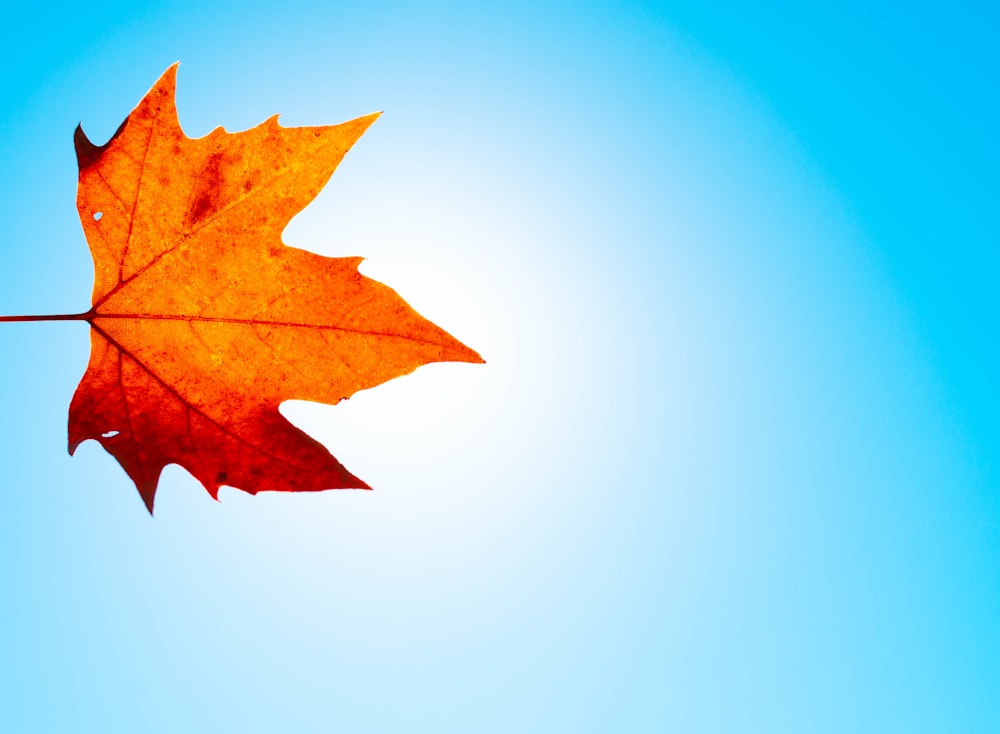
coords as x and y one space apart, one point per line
731 464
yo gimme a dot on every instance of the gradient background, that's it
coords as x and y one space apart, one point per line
732 465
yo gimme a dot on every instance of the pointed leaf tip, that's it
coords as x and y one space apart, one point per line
87 154
147 490
86 151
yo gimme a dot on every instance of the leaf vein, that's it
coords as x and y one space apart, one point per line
166 386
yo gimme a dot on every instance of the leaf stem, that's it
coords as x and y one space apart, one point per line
51 317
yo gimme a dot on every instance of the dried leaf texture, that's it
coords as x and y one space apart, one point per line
203 321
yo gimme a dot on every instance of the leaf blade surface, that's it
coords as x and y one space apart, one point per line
203 321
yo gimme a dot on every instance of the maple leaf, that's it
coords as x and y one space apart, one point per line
203 321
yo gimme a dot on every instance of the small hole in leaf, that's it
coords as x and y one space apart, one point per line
98 215
109 434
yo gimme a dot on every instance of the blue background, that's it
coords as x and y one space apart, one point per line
731 465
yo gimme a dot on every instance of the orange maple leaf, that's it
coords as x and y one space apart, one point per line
203 321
